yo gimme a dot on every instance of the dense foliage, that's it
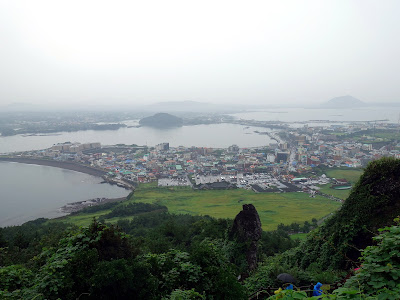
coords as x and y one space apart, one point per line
373 203
19 244
380 269
153 254
100 262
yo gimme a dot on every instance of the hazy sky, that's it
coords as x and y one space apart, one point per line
210 51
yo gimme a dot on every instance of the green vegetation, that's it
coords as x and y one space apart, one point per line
379 271
341 194
298 236
154 254
163 256
373 203
372 136
81 218
273 208
352 175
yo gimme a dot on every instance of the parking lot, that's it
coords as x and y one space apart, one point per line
184 181
240 180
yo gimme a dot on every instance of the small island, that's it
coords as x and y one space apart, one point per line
344 102
162 120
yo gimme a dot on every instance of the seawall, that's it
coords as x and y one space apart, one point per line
57 164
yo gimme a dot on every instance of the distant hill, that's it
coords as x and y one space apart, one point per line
344 102
161 120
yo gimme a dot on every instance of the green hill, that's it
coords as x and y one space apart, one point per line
161 120
373 203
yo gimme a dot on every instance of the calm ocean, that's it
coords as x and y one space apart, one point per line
28 192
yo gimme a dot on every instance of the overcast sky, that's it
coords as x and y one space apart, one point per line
256 52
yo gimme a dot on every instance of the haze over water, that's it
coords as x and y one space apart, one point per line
216 135
29 192
338 115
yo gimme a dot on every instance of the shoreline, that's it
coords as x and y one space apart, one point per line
73 166
73 207
57 164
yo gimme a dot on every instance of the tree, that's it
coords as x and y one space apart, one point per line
380 272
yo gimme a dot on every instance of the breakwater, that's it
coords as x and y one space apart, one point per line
57 164
77 206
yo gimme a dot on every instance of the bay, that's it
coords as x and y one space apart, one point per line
28 192
215 136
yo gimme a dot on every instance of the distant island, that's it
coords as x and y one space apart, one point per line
161 120
344 102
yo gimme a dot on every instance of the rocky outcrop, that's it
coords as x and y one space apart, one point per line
247 229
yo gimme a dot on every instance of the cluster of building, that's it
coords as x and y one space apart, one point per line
74 147
335 146
282 166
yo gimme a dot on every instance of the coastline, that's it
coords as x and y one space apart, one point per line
73 207
57 164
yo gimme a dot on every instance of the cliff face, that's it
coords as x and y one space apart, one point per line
373 203
247 229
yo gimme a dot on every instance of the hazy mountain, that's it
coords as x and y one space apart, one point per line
344 102
161 120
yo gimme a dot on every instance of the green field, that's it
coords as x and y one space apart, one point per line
352 175
341 194
81 219
299 236
273 208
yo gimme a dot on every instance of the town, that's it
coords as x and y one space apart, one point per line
293 163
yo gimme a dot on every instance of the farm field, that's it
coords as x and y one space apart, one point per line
273 208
